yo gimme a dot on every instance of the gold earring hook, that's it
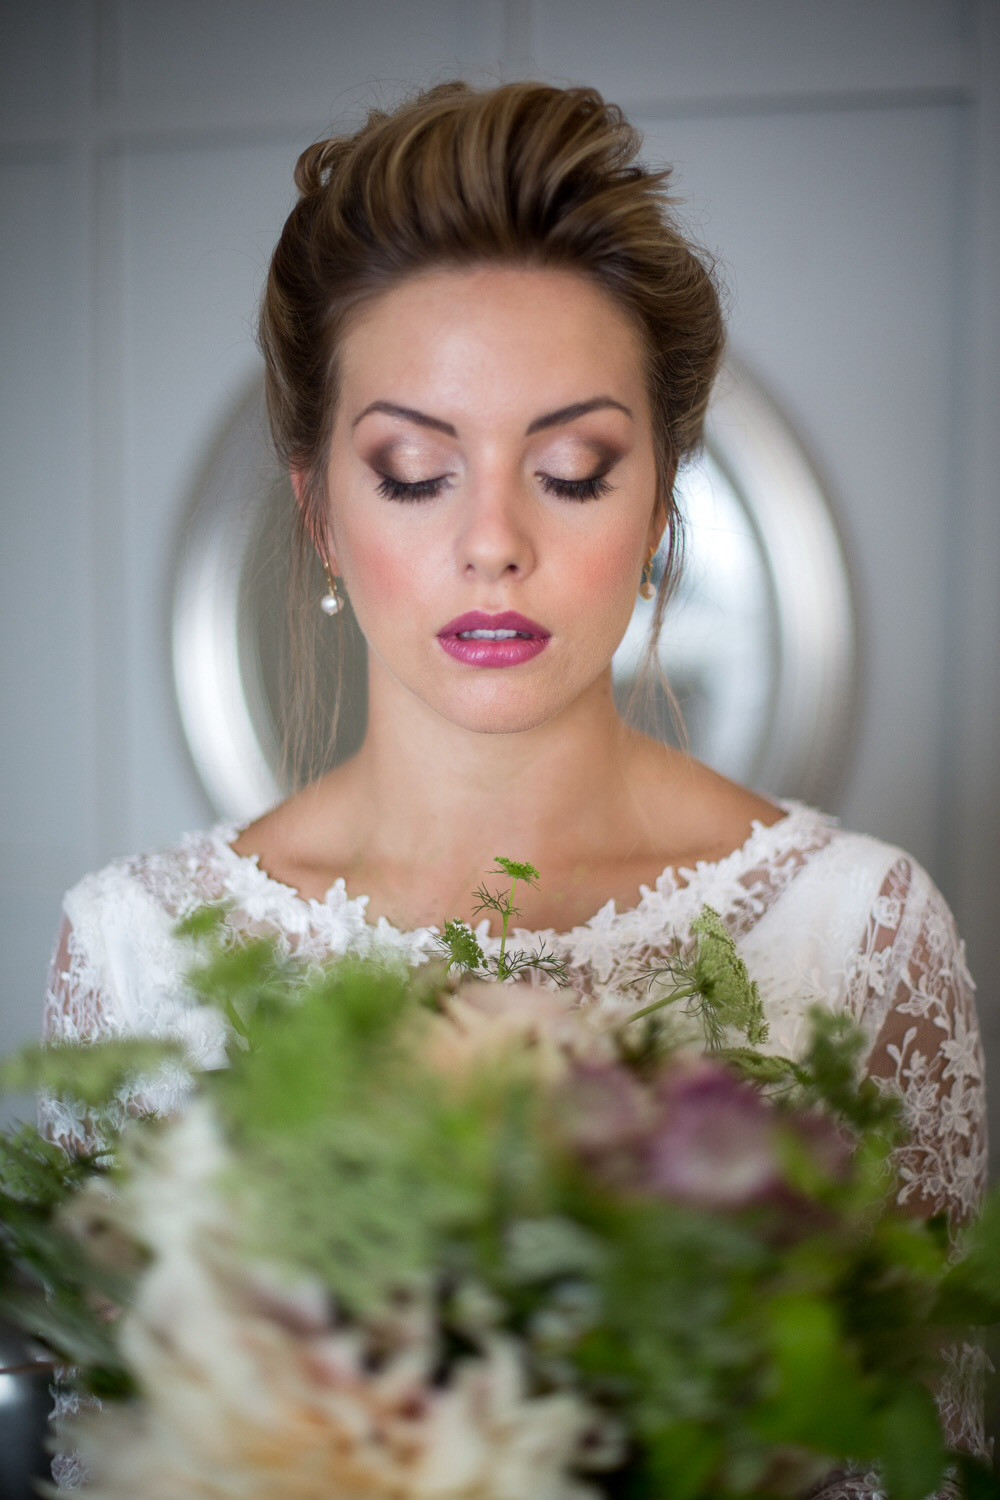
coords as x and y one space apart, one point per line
331 602
647 589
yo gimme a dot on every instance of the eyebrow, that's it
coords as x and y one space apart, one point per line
551 419
570 413
408 414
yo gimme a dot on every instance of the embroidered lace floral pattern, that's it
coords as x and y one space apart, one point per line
820 915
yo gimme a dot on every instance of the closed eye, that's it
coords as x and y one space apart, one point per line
428 489
575 489
419 489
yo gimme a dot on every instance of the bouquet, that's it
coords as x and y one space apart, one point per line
432 1235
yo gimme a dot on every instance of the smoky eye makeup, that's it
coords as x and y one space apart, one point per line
571 467
578 469
406 470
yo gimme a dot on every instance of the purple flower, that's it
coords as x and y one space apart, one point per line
698 1134
606 1117
716 1139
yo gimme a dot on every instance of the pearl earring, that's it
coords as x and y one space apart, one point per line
331 601
647 589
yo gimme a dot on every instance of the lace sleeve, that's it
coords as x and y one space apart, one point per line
927 1045
74 1011
912 991
119 970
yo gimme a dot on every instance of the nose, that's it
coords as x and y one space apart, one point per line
496 537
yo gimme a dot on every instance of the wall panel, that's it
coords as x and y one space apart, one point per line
306 56
837 241
198 224
674 53
46 582
45 65
47 745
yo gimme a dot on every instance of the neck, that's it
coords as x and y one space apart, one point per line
426 790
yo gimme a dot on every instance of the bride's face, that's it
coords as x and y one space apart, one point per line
492 469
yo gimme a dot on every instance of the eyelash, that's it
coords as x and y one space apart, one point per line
575 489
429 489
423 489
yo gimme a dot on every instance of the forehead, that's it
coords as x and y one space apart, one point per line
510 335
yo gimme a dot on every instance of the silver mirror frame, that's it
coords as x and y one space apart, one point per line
813 713
803 750
236 769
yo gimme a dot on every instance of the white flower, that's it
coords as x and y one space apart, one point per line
250 1390
487 1438
306 1420
485 1022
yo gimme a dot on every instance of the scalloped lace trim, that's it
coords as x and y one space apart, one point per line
802 829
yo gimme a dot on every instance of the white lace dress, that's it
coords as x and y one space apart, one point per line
820 915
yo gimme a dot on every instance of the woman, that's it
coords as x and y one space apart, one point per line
489 347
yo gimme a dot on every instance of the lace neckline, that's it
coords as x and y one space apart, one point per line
765 842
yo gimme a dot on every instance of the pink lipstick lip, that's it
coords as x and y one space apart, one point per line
509 619
509 651
513 651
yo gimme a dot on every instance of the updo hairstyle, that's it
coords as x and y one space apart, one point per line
525 174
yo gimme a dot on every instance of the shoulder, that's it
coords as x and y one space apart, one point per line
119 965
888 929
166 883
841 870
842 918
882 887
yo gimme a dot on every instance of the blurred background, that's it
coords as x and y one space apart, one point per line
843 161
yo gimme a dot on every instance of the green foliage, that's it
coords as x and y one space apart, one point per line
730 997
47 1282
978 1479
678 1336
550 1249
252 982
36 1172
910 1447
711 983
787 1330
779 1077
463 949
541 960
970 1291
330 1107
816 1397
516 869
832 1076
96 1075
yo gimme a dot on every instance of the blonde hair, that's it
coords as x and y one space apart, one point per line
524 174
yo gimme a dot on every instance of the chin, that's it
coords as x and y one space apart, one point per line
502 714
506 723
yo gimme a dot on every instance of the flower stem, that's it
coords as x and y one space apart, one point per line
647 1010
505 923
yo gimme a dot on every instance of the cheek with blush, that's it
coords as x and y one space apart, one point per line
608 576
379 578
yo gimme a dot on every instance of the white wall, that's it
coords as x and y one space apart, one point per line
843 159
